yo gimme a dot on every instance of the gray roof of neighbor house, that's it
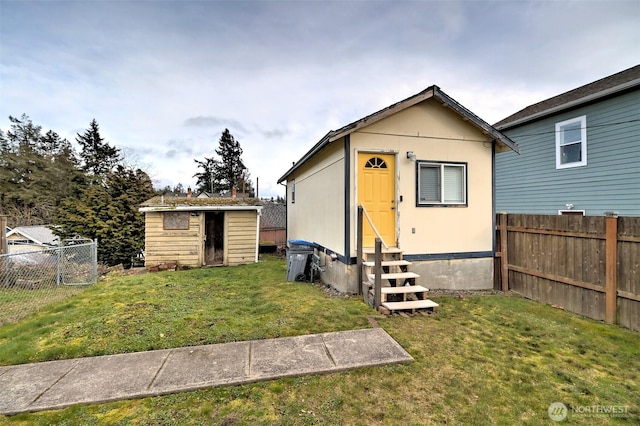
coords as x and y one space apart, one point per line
607 86
273 216
431 92
37 234
164 203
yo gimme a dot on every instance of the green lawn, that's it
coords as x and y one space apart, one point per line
479 360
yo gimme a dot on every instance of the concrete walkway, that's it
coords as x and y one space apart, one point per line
58 384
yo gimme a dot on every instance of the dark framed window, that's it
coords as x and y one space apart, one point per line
441 184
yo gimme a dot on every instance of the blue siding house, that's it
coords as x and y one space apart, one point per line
579 152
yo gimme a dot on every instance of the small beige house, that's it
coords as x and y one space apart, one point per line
423 169
31 238
201 231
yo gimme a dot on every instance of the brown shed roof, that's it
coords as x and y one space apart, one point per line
606 86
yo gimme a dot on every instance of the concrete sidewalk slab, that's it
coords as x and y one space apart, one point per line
59 384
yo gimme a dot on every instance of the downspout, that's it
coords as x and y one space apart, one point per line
286 214
347 199
258 213
493 203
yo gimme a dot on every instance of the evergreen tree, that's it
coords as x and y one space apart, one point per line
109 212
205 180
98 157
230 167
25 175
226 173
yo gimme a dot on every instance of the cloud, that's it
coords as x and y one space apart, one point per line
166 78
274 133
209 121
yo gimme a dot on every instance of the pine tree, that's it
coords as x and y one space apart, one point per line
109 213
226 173
205 180
98 157
25 175
230 167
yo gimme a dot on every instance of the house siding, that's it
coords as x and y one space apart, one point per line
317 215
530 182
434 133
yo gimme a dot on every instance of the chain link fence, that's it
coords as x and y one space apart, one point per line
34 277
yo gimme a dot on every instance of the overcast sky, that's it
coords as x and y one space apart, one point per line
163 79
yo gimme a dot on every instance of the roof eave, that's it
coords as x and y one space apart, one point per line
503 141
571 104
196 208
433 91
335 135
316 148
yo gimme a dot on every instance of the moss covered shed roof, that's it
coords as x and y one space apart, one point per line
164 203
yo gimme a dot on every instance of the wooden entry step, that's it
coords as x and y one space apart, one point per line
389 250
405 290
385 263
394 276
411 305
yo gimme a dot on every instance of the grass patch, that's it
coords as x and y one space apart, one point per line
479 360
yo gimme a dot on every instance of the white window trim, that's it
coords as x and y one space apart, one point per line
583 142
442 165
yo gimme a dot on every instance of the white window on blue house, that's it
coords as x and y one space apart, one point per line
442 184
571 143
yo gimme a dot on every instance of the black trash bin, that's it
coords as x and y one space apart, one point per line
299 260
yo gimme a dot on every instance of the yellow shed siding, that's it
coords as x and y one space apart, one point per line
241 229
183 246
187 246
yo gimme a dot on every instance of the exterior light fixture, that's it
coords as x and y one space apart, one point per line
411 155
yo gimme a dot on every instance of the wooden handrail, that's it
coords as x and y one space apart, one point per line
375 231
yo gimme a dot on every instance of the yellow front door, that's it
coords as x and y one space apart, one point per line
377 193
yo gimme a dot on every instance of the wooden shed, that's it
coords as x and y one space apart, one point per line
201 231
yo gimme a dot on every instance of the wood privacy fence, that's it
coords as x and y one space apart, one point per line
589 265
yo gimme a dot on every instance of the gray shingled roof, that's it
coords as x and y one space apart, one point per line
273 215
606 86
37 234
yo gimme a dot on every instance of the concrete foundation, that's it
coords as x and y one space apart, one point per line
453 274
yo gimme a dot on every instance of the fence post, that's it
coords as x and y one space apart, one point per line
611 267
504 259
4 247
359 253
377 299
95 261
58 271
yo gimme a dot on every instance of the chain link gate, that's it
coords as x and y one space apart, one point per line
37 276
